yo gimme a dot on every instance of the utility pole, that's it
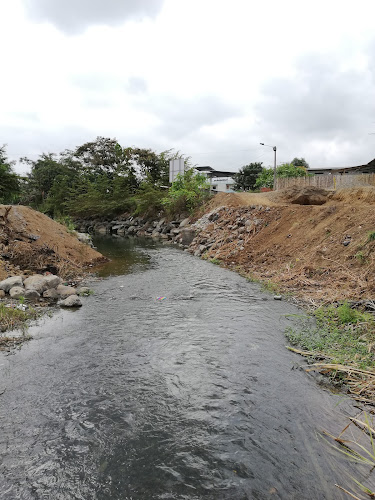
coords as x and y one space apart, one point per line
274 162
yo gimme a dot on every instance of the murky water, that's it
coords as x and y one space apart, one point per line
187 397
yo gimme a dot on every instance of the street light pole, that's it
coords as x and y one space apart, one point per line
274 163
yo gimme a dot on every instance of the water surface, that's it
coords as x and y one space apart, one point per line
193 396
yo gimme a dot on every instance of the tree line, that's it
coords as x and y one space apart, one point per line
102 178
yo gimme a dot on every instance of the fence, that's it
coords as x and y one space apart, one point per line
328 181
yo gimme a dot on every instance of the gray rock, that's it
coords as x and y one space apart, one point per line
2 294
51 294
32 295
184 223
187 236
65 291
71 301
9 283
36 282
84 238
52 281
277 297
16 292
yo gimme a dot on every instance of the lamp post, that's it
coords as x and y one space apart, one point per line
274 163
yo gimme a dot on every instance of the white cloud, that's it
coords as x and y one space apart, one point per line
212 78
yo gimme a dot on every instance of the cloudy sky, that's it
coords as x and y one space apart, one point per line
210 78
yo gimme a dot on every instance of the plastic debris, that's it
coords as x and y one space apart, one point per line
160 299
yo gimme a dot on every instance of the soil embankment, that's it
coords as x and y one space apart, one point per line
313 243
29 240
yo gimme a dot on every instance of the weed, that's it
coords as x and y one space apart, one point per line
66 221
270 287
86 293
11 317
360 256
341 334
371 236
215 261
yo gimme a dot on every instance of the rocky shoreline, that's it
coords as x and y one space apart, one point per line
178 231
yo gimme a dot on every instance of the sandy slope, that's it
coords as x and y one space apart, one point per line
33 241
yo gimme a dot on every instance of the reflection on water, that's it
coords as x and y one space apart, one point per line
126 254
191 397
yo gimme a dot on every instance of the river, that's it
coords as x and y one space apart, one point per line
171 382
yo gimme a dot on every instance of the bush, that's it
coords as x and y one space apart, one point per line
188 192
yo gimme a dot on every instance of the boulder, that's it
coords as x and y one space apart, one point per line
71 301
9 283
36 282
51 294
2 294
16 292
187 236
52 281
32 295
65 291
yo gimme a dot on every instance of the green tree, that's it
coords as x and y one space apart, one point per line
188 191
299 162
246 178
265 178
9 181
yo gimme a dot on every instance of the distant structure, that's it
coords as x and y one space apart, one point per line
221 181
369 168
176 167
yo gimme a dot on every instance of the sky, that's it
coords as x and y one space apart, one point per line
211 79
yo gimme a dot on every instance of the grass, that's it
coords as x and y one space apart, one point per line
217 262
12 318
371 236
341 334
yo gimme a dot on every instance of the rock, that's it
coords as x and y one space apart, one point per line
16 292
2 294
52 281
346 243
85 238
9 283
184 223
32 295
51 294
84 290
36 282
71 301
277 297
65 291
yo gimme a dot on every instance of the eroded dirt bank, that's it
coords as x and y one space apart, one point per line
29 240
320 252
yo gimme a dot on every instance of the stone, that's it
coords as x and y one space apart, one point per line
51 294
84 238
16 292
65 291
84 290
184 223
71 301
277 297
8 283
36 282
2 294
52 281
32 295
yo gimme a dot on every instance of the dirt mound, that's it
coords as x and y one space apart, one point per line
234 200
307 195
32 241
359 195
319 253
